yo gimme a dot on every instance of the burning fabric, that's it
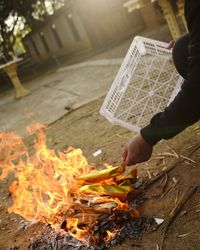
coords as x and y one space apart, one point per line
64 191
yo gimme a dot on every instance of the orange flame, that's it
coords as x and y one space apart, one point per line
75 231
111 235
46 186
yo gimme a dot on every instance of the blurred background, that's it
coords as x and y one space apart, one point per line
58 59
40 39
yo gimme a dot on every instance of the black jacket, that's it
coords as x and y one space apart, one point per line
185 109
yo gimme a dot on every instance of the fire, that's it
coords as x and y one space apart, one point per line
110 235
75 231
61 188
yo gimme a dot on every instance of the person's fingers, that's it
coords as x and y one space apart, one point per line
126 157
171 44
130 159
125 153
127 161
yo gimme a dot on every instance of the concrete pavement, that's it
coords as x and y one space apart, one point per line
54 95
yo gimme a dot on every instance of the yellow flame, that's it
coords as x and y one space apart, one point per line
111 235
46 186
75 231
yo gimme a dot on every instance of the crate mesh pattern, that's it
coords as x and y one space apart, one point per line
145 84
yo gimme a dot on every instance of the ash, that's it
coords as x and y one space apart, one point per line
131 228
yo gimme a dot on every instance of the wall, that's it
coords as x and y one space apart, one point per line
85 25
108 21
59 35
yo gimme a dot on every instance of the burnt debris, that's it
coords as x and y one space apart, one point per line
130 228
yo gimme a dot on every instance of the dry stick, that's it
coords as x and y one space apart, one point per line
168 170
177 195
165 180
168 190
185 197
178 205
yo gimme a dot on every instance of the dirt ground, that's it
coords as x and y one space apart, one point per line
86 129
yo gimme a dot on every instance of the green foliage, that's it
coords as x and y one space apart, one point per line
16 15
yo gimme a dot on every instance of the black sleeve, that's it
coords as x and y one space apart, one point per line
185 109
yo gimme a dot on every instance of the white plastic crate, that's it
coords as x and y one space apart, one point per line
145 84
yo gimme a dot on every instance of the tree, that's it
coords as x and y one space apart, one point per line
16 15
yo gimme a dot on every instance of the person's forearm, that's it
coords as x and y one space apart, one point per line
185 109
182 112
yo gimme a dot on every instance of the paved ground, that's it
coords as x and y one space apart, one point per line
55 93
176 160
84 128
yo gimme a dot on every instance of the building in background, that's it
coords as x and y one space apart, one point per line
86 26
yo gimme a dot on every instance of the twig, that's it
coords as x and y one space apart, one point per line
188 159
165 179
165 154
107 144
189 163
175 154
168 170
175 211
170 188
163 161
136 245
183 235
149 174
177 196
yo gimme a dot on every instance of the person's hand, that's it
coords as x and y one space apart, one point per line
137 151
171 44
